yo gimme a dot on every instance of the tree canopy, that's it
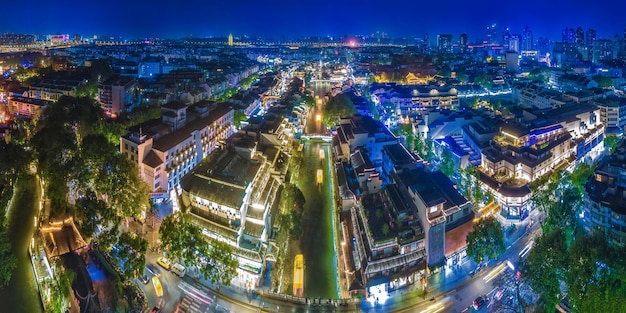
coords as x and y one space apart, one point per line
545 266
338 106
486 240
291 210
184 240
603 81
131 252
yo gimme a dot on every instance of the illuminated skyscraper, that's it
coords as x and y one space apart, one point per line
230 39
506 36
580 37
589 40
463 42
444 43
527 39
568 35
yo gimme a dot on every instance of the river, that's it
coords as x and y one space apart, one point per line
21 295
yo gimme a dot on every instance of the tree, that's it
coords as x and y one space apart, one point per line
89 210
292 208
580 175
611 142
224 267
562 213
131 252
445 71
338 106
447 165
125 191
603 81
15 161
8 260
239 117
486 240
462 77
184 240
545 265
385 229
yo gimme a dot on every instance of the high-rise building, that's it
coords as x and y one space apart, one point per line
230 40
514 43
580 37
602 50
506 36
444 43
568 35
543 45
589 40
527 39
463 42
492 36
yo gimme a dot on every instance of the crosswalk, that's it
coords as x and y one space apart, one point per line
196 300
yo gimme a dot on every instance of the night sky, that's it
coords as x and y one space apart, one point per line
284 19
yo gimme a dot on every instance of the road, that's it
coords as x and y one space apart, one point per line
458 295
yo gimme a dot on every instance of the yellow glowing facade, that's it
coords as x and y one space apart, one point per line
230 39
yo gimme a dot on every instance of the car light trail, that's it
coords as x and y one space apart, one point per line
495 272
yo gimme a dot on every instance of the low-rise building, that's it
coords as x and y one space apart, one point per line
612 113
231 197
26 107
116 94
165 150
604 208
518 156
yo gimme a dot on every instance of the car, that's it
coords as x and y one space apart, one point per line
158 288
164 262
156 309
479 302
144 279
153 269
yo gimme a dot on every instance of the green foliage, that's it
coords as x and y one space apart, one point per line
447 165
61 290
15 161
486 240
239 117
562 213
445 71
580 175
291 209
338 106
385 229
596 277
462 76
545 267
247 82
8 260
611 141
603 81
541 74
132 254
88 211
125 192
224 267
178 234
484 79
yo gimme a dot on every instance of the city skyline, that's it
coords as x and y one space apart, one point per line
284 20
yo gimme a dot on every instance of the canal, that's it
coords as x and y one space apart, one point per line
21 295
317 244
